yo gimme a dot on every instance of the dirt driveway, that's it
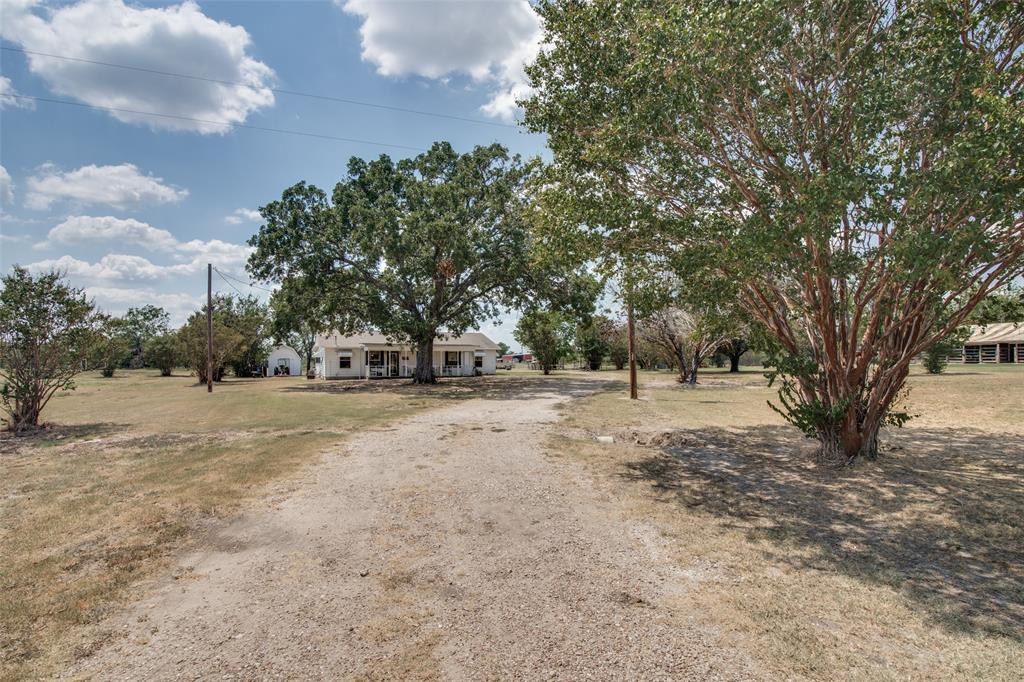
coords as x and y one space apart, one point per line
449 546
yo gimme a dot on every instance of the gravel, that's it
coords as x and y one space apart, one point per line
448 546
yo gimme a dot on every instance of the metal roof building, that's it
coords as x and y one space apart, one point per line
1000 342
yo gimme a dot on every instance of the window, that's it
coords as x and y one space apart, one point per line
345 363
451 358
375 358
478 360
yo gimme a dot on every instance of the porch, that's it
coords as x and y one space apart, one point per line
387 363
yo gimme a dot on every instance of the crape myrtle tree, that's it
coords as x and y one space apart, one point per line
47 331
853 167
414 249
161 352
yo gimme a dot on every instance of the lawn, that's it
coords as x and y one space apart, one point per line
908 567
136 467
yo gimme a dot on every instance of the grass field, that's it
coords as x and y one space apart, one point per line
908 567
911 567
135 467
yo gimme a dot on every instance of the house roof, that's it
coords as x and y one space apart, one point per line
476 340
999 332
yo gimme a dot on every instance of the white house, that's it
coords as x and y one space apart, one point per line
373 356
282 358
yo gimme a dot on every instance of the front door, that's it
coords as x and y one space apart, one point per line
393 363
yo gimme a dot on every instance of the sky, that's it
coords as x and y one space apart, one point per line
133 205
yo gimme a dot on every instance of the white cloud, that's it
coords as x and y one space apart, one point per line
176 38
117 300
8 96
121 186
6 187
113 266
243 215
488 41
188 257
86 229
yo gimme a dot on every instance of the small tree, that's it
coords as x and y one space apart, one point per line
548 334
591 342
687 336
503 348
162 352
139 326
47 330
617 338
734 349
227 345
112 347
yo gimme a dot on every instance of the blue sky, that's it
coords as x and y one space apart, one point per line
133 206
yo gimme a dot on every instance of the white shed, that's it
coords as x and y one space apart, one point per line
284 360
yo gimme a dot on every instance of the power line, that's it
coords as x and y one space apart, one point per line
246 126
229 283
280 91
242 281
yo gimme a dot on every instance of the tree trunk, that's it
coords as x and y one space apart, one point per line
424 373
734 362
849 441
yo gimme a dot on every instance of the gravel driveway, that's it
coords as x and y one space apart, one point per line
449 546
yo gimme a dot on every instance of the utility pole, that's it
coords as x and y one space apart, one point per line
631 334
209 327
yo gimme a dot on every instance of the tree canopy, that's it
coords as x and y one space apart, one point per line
413 249
852 168
47 331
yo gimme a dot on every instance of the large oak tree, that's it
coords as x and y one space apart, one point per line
414 249
853 167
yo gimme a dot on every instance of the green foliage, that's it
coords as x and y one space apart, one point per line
853 170
934 359
47 330
591 341
139 326
413 249
503 348
617 337
162 352
1005 306
240 337
112 346
548 334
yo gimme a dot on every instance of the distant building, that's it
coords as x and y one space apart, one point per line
999 343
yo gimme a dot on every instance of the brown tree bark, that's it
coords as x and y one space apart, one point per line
424 373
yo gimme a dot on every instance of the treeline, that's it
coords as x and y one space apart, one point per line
50 332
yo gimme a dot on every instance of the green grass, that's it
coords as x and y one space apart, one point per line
129 471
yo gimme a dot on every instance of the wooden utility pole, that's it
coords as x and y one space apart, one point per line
209 327
631 334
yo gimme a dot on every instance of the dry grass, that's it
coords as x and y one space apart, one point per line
135 466
911 567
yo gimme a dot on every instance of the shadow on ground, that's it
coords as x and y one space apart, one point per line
55 434
940 516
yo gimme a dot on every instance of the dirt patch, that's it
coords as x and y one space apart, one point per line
495 561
